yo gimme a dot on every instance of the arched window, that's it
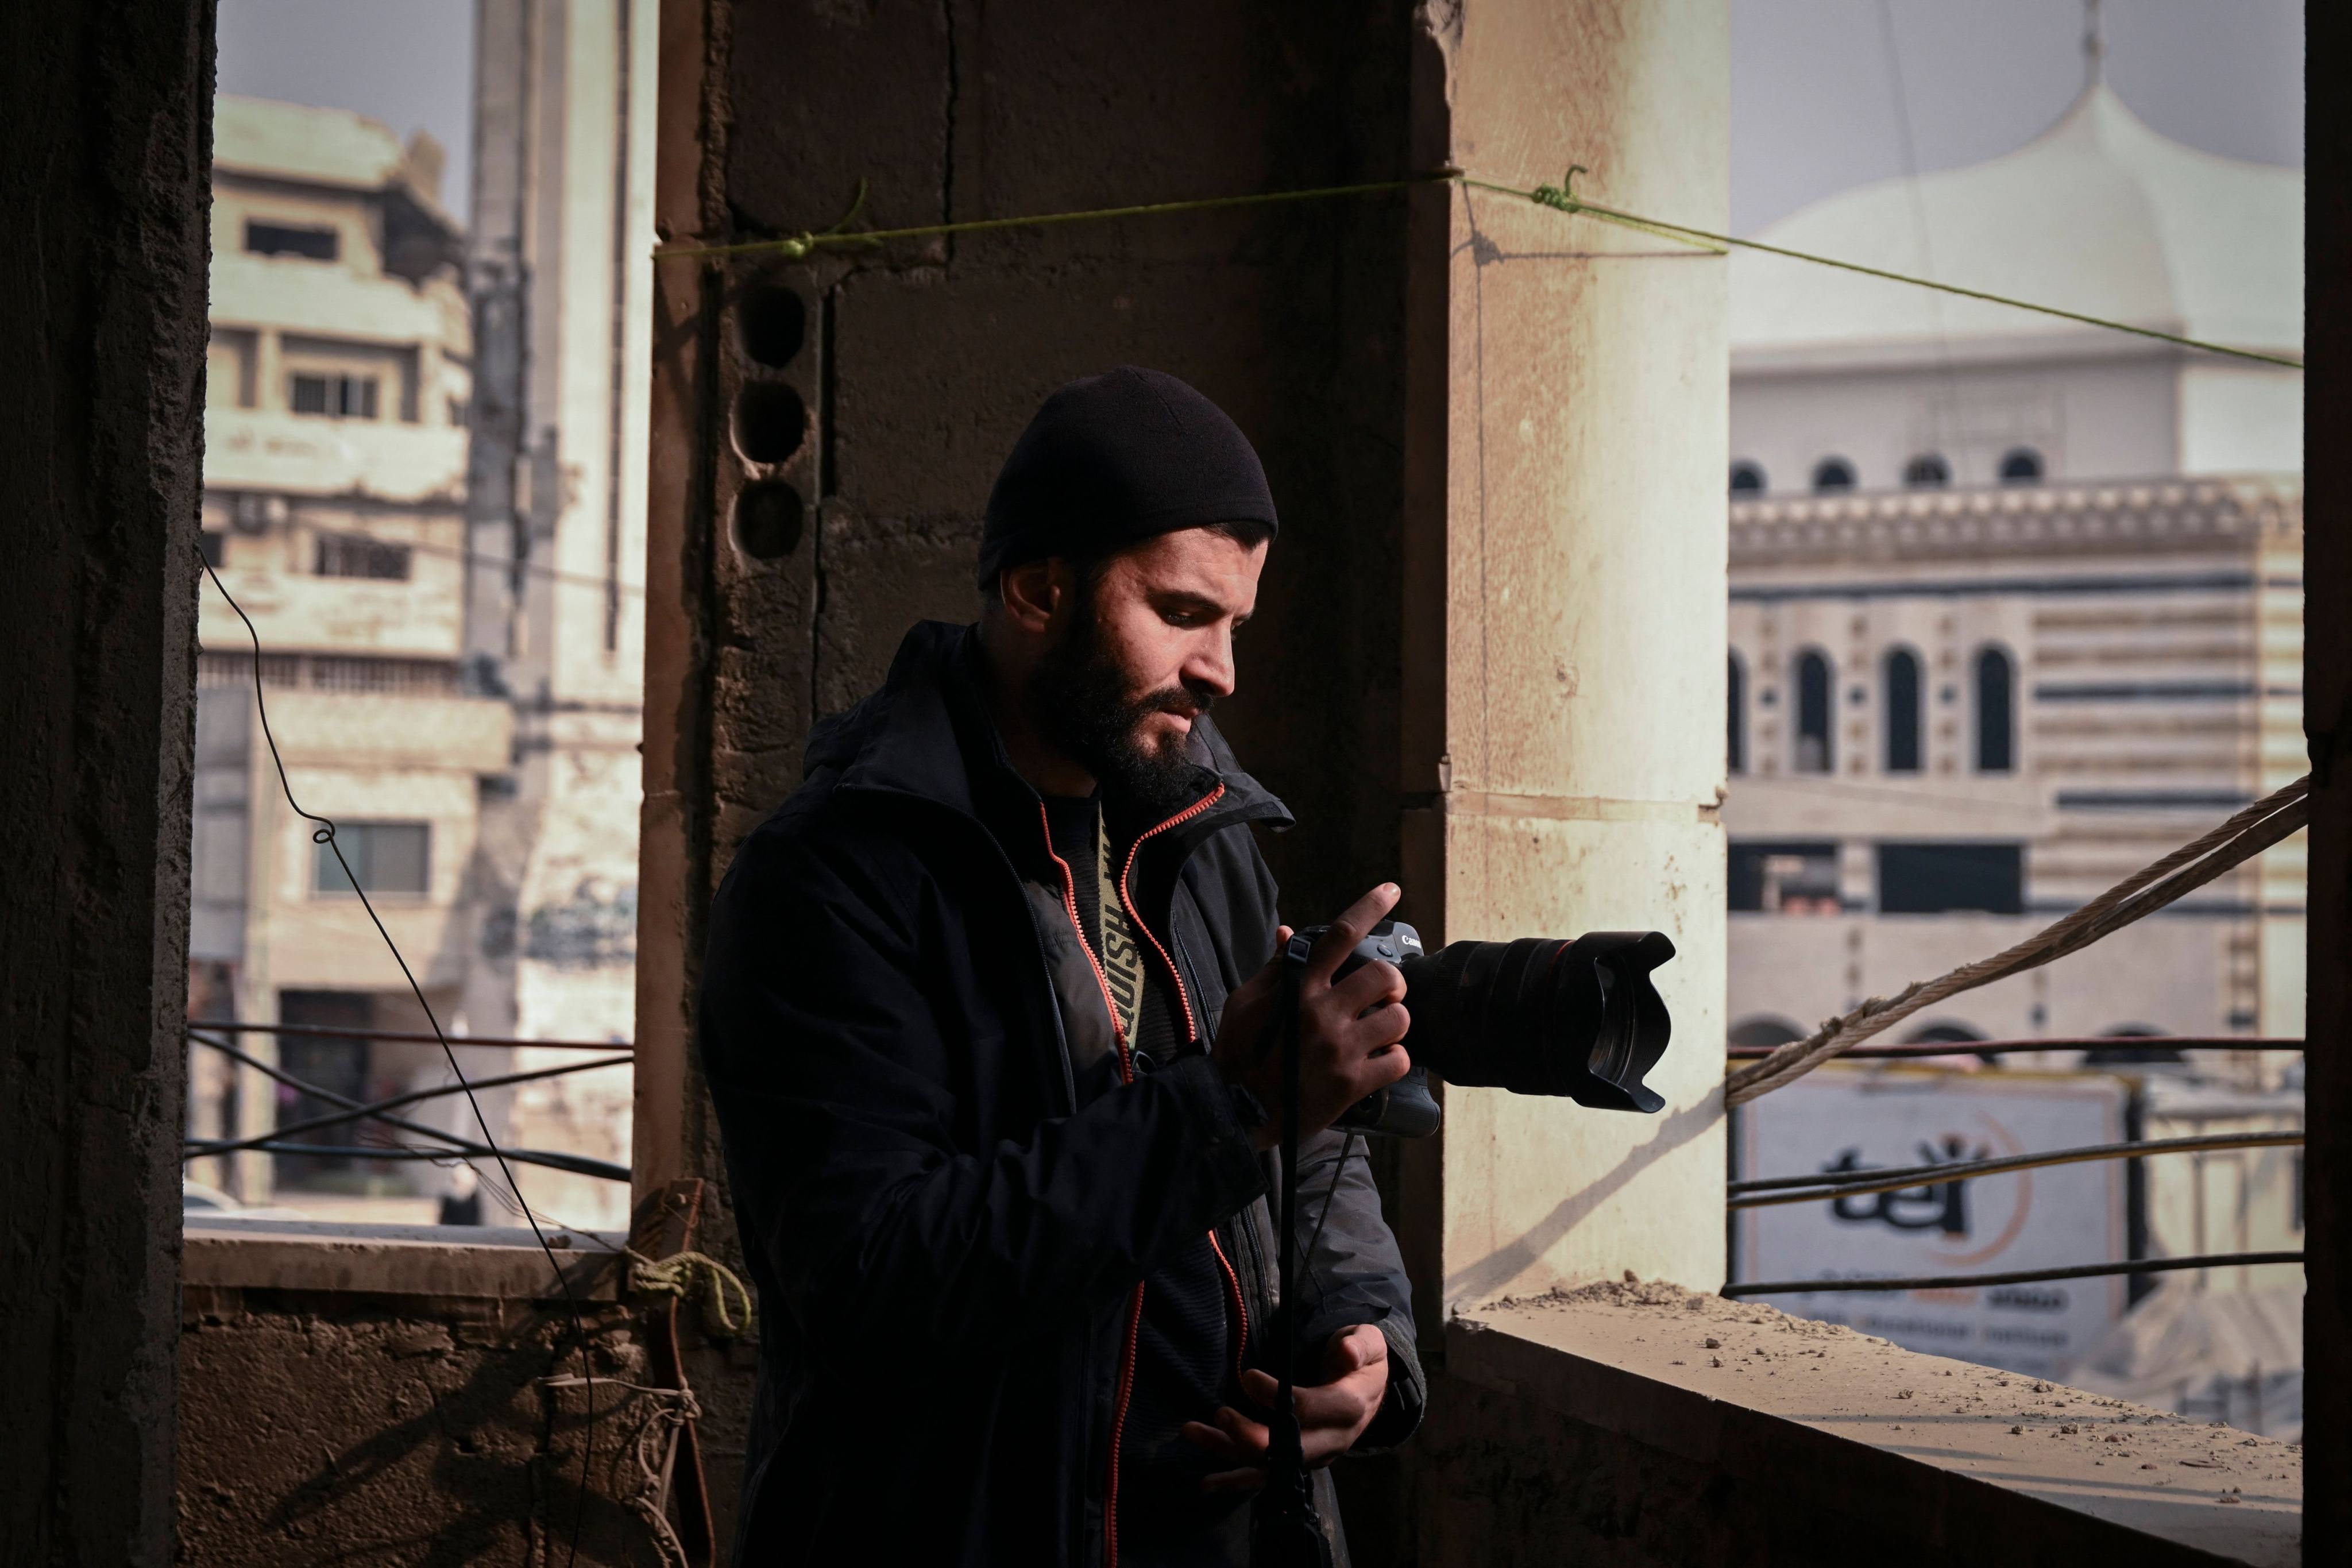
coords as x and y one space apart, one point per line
1928 471
1746 479
1815 723
1736 741
2021 466
1902 684
1996 712
1765 1031
1832 474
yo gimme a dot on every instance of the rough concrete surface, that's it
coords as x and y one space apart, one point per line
412 1431
1777 1427
105 117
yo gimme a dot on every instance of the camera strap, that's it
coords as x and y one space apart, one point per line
1284 1531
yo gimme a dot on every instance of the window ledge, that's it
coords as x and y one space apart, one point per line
447 1260
1942 1454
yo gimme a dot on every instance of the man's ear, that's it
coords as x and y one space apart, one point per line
1036 594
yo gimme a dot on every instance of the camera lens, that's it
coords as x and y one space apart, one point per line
1544 1015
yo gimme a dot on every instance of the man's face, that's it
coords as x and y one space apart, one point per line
1148 650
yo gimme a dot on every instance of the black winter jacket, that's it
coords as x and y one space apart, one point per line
946 1245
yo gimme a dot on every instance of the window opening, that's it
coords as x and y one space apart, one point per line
1746 479
2021 466
1928 471
1901 683
1816 748
1995 723
1736 740
311 244
1784 879
387 858
335 396
1832 474
356 556
339 1066
1951 878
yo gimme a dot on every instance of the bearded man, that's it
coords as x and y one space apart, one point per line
988 1017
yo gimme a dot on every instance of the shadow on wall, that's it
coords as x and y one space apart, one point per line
369 1418
1484 1278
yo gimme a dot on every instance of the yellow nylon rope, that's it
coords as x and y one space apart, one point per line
1561 198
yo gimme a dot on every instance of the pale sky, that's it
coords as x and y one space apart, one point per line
409 63
1815 106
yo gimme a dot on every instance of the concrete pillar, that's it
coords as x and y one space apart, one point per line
105 109
2327 722
1565 608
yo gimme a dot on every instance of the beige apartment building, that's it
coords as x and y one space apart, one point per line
425 481
338 394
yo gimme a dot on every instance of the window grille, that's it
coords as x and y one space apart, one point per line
356 556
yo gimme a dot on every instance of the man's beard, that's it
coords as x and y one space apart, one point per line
1077 699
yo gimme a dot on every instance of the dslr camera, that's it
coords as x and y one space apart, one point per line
1577 1018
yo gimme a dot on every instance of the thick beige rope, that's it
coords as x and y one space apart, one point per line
2187 869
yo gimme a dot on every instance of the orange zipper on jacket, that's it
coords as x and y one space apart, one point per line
1240 1311
1126 1389
1192 1028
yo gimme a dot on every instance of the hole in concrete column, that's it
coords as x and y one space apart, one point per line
774 321
770 422
768 518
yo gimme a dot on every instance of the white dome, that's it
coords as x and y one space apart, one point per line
2099 214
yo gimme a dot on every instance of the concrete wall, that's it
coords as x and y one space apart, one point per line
105 111
399 1429
413 1398
917 367
1565 605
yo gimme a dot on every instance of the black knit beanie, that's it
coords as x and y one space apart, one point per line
1113 460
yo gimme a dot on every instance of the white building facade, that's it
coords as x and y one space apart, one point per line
2016 602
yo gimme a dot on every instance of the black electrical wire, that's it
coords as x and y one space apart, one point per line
324 833
1768 1190
326 1032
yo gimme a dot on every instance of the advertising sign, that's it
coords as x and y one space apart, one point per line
1845 1120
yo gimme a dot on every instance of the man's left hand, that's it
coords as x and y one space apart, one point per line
1332 1416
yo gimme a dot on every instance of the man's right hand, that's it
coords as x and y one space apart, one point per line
1347 1031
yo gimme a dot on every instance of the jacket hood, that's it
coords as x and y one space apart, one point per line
926 732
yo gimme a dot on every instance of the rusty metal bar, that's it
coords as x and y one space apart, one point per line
321 1031
457 1146
2013 1277
1768 1190
375 1107
578 1164
2004 1047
